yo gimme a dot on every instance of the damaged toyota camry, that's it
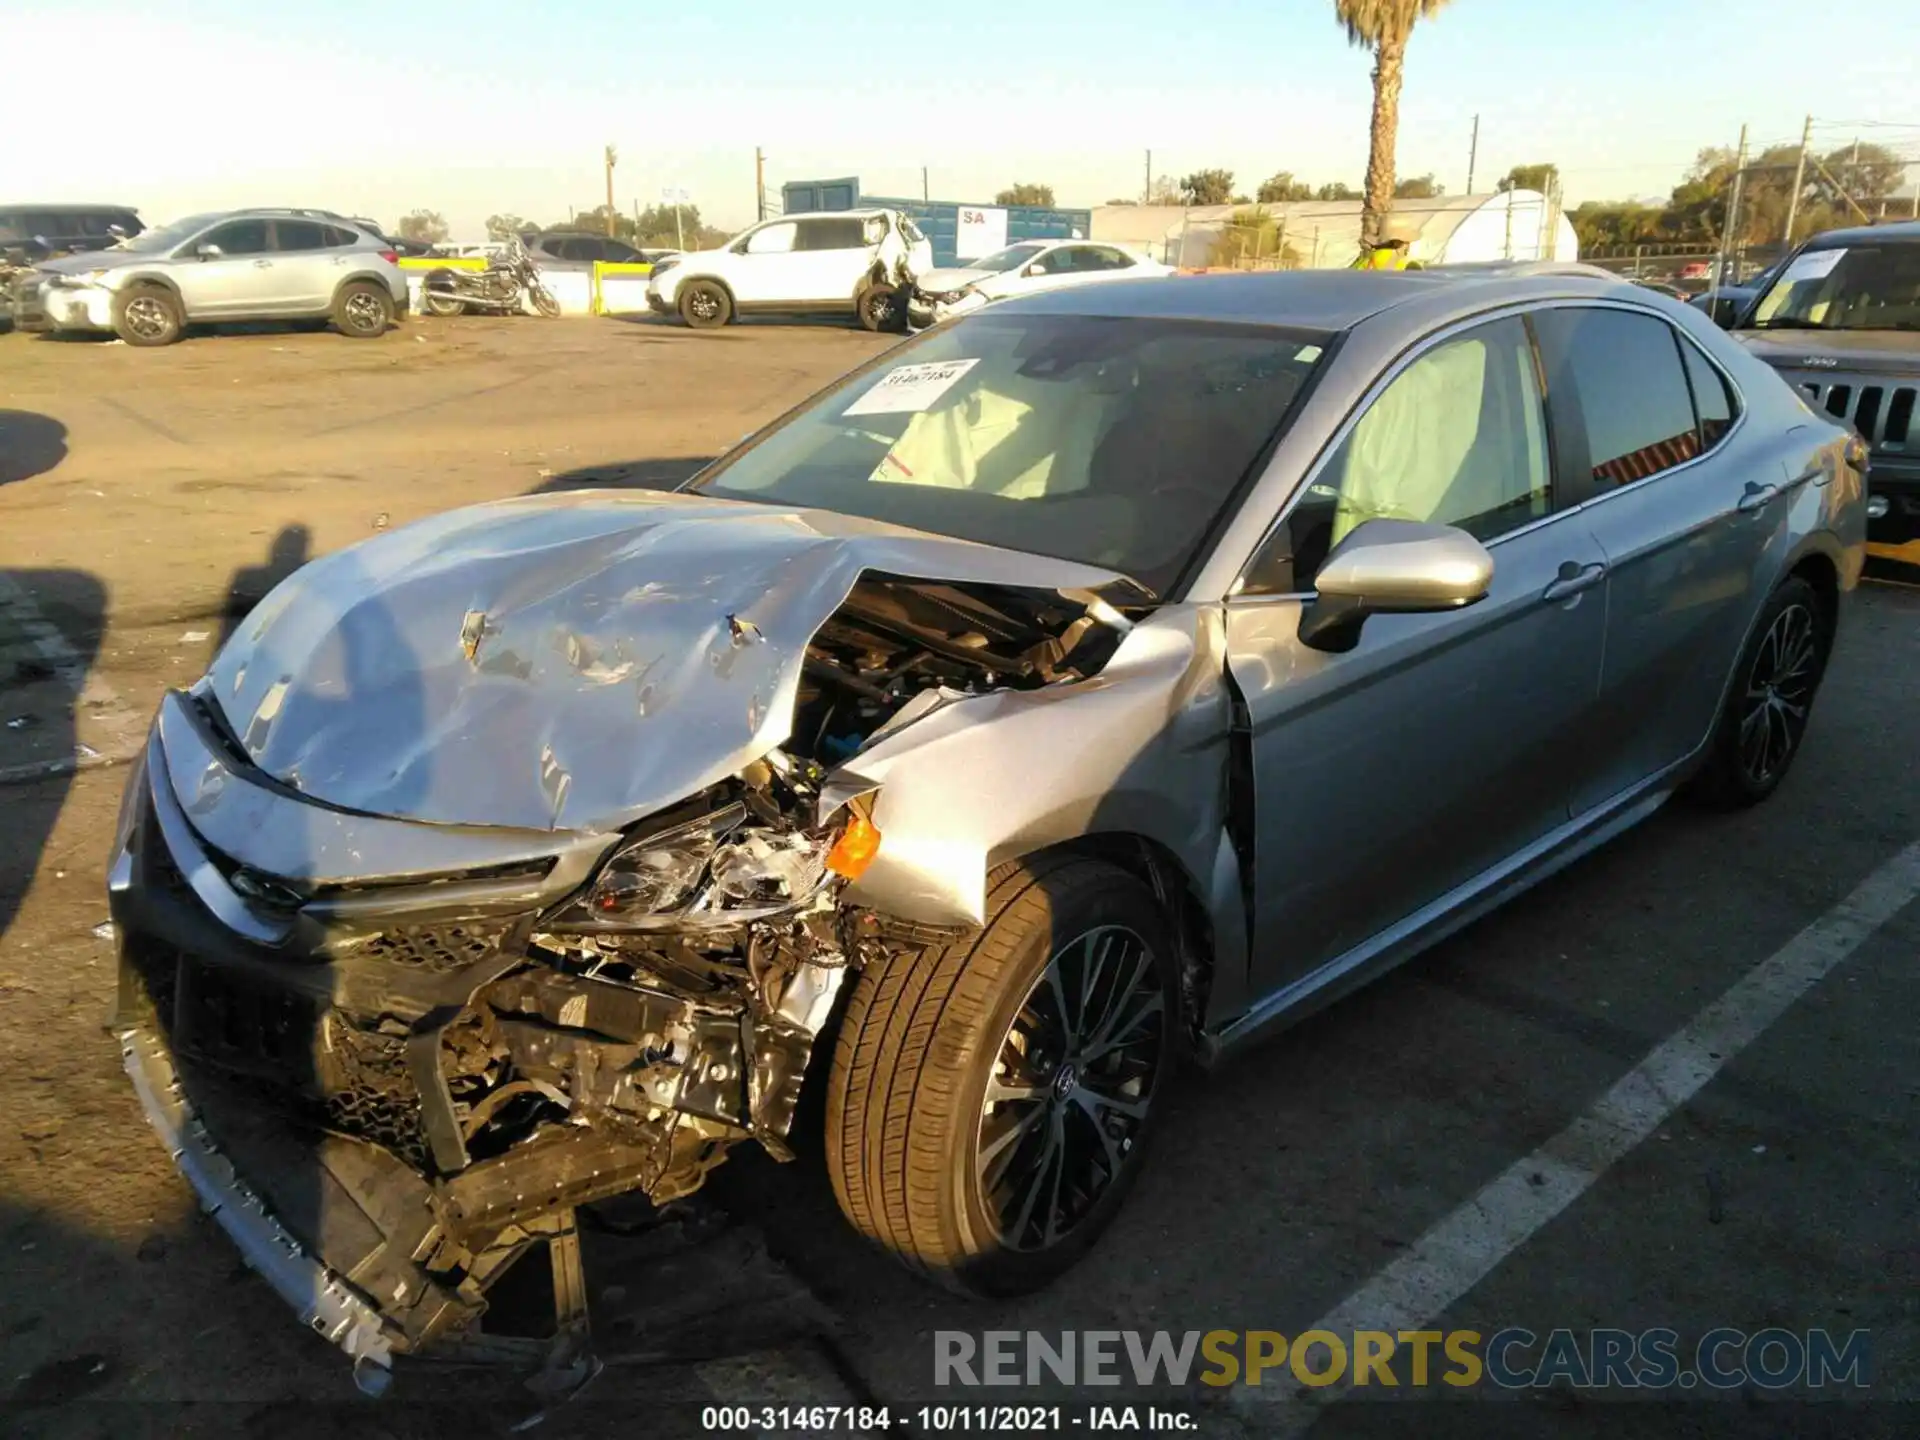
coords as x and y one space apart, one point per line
1094 682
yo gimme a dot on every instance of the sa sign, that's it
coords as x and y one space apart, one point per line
981 231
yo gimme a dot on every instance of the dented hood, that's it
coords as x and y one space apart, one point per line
563 662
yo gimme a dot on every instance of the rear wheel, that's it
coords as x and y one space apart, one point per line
705 305
880 307
1767 706
362 310
443 301
990 1100
147 315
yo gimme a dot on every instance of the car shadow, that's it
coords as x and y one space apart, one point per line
50 627
654 473
30 444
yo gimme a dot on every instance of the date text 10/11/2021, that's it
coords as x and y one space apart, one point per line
979 1419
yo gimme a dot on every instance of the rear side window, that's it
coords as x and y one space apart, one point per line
831 235
299 235
338 238
1631 388
1713 399
242 237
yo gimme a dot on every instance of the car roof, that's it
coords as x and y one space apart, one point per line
1327 300
1905 232
81 207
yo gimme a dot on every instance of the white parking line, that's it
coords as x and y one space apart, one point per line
1462 1249
121 727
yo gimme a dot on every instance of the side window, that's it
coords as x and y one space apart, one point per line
1713 398
772 240
554 245
831 235
1627 378
1054 262
1458 438
242 237
1112 259
299 235
618 251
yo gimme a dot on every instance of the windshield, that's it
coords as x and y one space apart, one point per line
168 236
1001 261
1856 287
1111 441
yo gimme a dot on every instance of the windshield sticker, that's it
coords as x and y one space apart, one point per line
1814 265
909 389
1307 354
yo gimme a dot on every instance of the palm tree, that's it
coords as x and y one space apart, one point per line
1384 27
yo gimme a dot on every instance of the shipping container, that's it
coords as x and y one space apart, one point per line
958 231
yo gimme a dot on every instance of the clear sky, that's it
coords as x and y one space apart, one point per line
379 106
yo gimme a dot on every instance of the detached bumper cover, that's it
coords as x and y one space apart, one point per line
327 1305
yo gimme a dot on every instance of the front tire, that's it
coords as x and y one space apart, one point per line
1764 718
543 301
362 310
990 1100
147 315
705 305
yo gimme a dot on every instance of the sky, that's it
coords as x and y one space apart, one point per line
379 107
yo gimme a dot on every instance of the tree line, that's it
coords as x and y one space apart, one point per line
654 228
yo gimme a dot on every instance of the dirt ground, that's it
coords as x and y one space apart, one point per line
147 497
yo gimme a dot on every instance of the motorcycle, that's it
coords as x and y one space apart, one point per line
506 286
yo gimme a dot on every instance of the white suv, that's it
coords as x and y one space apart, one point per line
849 262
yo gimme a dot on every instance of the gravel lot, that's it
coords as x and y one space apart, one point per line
146 497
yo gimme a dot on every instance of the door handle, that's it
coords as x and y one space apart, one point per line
1575 578
1756 497
262 264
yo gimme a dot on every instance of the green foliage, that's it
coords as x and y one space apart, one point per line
1542 178
422 227
1207 187
1025 194
1253 240
1336 190
1418 187
1280 187
507 225
1370 22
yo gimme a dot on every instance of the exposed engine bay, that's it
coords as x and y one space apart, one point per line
415 1079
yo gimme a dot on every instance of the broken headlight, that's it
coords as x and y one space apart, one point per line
716 870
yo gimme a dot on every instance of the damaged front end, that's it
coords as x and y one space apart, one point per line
395 1055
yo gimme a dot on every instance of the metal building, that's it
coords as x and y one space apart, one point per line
957 230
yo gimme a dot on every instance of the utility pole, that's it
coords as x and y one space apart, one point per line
1473 153
1733 215
925 195
1799 179
759 184
1146 196
612 214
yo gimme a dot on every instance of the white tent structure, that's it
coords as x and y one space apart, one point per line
1321 235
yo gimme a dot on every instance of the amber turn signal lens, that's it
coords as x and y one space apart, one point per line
856 848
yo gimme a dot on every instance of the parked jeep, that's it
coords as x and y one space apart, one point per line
848 262
1841 322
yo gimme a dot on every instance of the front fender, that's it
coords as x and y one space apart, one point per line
1139 749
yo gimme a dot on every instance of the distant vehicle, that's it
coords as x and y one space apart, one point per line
1697 270
857 262
1727 303
1023 269
581 247
225 265
1672 292
32 233
1840 320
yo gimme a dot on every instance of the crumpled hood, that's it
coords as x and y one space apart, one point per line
81 261
1860 352
939 282
561 662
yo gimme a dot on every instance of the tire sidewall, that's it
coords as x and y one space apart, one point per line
1090 895
147 292
694 322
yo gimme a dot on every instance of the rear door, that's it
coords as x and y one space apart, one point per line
309 259
766 270
1685 501
834 258
238 281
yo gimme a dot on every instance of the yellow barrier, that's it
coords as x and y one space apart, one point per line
450 262
613 267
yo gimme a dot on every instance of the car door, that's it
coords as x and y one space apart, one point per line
765 270
1684 502
1437 749
239 280
833 258
307 265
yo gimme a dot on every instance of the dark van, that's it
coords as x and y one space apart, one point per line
32 233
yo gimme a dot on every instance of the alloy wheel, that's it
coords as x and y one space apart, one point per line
364 312
1779 692
148 317
1070 1087
703 304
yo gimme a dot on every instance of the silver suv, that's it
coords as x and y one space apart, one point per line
230 265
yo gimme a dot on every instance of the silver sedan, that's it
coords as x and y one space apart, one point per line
1110 676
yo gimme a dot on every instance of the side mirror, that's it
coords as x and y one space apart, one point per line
1392 567
1725 311
1033 271
208 251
